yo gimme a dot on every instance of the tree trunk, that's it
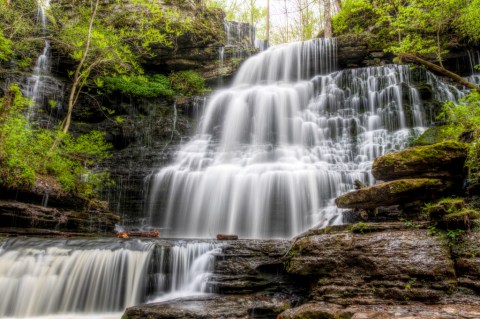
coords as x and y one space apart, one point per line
438 69
338 5
78 72
328 19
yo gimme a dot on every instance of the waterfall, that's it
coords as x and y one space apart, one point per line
274 150
474 60
93 277
41 81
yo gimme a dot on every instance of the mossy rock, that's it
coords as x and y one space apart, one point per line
399 192
441 160
459 220
444 207
434 135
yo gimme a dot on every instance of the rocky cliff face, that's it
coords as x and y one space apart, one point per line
45 210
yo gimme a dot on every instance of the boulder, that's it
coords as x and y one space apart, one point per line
394 193
442 160
395 263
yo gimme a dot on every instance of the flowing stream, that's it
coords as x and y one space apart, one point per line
98 278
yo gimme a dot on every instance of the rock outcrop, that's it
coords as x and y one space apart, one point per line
443 160
329 311
417 174
355 268
46 210
213 307
394 193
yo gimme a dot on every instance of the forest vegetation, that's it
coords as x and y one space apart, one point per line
106 47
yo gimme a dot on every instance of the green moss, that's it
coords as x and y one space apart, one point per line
443 207
406 185
359 228
436 134
461 218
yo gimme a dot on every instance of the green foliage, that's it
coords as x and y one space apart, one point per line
355 17
187 83
465 117
184 83
142 86
18 32
409 223
5 47
359 227
468 23
25 152
420 27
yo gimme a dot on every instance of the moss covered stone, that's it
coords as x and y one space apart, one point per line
441 160
435 134
397 192
443 207
459 220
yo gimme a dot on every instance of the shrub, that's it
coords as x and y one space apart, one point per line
138 85
25 152
187 83
356 16
464 117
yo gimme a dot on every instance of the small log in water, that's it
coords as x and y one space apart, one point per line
227 237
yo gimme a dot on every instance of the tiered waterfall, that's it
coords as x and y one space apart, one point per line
290 135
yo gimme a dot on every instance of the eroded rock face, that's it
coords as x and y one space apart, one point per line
394 193
403 264
249 266
213 307
328 311
47 210
467 261
442 160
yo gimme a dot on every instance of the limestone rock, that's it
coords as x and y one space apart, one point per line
403 264
394 193
247 266
328 311
442 160
213 307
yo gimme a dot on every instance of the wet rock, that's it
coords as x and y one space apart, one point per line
46 207
213 307
467 261
381 264
247 266
29 219
442 160
328 311
394 193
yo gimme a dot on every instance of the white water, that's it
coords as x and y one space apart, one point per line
274 150
41 81
97 278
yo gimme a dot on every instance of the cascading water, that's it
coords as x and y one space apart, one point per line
474 60
41 80
68 278
275 149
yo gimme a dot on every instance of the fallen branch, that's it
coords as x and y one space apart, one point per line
438 69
